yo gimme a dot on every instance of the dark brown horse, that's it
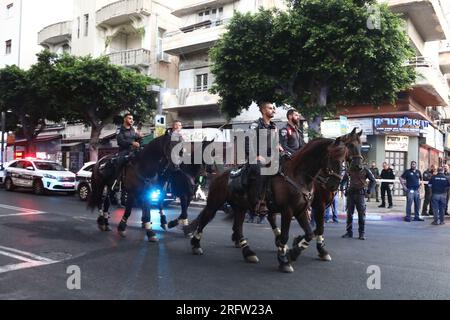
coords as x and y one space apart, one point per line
289 193
324 192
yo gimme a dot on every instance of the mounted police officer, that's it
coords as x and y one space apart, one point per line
128 140
355 184
175 137
263 157
291 136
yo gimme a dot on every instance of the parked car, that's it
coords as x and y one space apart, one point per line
83 187
2 171
39 175
83 180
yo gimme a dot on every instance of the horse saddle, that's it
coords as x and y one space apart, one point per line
238 180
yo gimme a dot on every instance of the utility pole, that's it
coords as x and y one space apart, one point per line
3 138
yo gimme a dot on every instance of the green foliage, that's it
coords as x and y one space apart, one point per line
316 55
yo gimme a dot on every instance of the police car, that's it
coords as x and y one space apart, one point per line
83 180
39 175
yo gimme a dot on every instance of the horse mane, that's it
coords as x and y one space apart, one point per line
313 152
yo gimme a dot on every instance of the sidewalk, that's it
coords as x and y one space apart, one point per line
373 213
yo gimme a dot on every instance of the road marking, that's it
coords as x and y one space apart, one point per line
22 211
30 260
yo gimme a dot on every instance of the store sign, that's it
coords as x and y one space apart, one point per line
364 124
399 125
396 143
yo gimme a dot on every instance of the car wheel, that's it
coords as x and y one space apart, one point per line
9 185
83 192
38 188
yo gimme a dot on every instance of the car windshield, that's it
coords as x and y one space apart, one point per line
49 166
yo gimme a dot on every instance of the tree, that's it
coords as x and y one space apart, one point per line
30 98
316 55
94 92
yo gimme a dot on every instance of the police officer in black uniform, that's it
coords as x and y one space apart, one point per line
291 136
127 139
439 188
427 204
267 110
355 184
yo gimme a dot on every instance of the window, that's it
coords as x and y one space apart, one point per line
86 25
212 14
160 40
9 9
8 46
78 27
201 83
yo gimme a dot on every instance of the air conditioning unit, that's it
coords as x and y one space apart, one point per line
163 57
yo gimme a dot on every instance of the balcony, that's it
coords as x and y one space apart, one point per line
55 33
444 57
426 15
194 37
192 6
189 98
431 88
131 58
122 12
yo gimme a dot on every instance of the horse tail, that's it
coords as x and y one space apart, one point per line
98 183
217 196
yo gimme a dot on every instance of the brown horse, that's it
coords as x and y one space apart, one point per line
289 193
324 192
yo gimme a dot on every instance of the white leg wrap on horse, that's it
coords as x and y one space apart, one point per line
183 222
303 244
197 235
100 213
277 232
320 239
148 226
243 243
284 249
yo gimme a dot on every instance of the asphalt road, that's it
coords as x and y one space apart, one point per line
42 236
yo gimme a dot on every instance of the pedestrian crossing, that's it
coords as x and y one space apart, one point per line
28 260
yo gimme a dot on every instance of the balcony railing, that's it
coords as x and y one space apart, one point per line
55 33
130 58
111 13
198 26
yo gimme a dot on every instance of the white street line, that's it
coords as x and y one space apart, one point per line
22 214
31 260
29 254
5 206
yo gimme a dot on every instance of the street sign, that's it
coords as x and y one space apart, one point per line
160 125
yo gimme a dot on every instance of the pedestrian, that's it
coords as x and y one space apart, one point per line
334 208
386 174
376 173
439 187
447 174
355 184
411 180
427 203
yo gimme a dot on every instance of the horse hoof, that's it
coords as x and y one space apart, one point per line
172 224
101 227
252 259
153 239
287 268
123 234
197 251
326 257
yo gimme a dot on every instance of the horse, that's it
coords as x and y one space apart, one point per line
289 192
325 189
137 177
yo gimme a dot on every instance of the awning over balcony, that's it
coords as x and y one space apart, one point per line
123 11
55 33
195 5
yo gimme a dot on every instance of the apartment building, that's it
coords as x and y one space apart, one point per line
19 21
201 24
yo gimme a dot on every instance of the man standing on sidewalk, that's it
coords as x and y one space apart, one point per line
376 173
427 175
386 174
447 174
411 180
439 187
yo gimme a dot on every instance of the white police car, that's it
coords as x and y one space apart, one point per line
39 175
83 180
